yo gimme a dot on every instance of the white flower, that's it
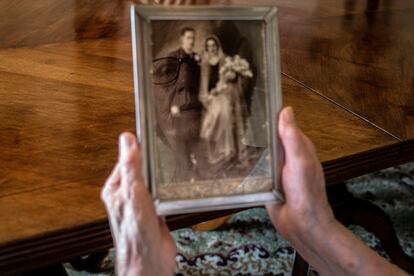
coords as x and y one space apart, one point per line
244 63
248 74
220 86
237 68
175 110
193 159
237 65
197 57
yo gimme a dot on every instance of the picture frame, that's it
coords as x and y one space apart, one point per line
196 127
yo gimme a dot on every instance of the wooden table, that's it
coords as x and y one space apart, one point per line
66 93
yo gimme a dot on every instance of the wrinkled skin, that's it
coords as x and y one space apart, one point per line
303 183
142 240
144 245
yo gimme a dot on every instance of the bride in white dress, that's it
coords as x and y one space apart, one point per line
224 122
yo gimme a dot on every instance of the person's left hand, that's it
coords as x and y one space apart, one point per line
143 243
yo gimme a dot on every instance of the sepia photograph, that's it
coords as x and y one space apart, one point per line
208 109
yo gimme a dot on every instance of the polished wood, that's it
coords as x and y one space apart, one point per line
335 132
62 129
66 92
356 53
31 23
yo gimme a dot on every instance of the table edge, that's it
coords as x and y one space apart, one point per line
62 245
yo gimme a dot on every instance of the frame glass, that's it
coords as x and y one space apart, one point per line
207 92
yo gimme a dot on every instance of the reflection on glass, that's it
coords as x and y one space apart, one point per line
165 70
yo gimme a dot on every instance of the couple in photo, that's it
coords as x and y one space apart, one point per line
201 108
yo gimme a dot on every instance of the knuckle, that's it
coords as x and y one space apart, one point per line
307 165
311 147
130 176
293 133
129 158
105 194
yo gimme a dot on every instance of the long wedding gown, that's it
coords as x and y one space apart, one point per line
223 126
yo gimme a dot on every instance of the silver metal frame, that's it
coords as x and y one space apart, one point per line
141 16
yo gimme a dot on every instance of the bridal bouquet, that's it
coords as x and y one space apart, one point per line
238 65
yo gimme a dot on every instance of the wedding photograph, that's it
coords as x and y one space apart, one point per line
209 99
207 93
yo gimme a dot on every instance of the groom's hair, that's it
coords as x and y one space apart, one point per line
186 29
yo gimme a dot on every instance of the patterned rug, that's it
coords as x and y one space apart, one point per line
248 244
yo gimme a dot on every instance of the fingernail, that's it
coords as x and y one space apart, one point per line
289 116
125 143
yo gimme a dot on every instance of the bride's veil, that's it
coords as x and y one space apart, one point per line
219 46
203 95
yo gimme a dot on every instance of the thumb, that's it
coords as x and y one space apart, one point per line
291 136
132 182
129 160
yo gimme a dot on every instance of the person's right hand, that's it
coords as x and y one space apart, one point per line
306 220
303 184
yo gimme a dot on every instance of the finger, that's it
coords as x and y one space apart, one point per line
163 225
273 209
168 244
311 148
132 187
291 136
165 232
129 159
111 184
110 198
295 153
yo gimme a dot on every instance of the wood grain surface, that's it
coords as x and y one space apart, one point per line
356 53
66 93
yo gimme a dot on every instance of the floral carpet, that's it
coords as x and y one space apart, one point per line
248 244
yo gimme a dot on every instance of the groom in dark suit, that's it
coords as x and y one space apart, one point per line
178 109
